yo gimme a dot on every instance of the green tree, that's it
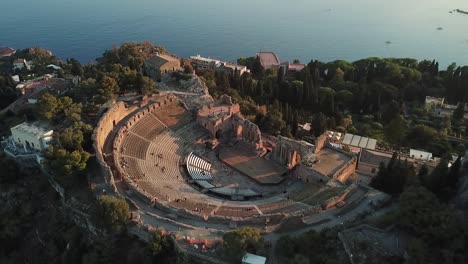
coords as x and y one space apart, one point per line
422 214
65 163
160 244
71 110
71 139
145 85
76 68
239 241
108 89
114 211
86 90
319 124
396 130
459 111
48 107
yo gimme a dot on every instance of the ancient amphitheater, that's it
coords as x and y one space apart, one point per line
204 161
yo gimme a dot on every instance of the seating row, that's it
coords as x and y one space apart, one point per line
198 168
134 146
198 162
148 127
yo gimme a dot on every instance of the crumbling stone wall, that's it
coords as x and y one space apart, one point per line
245 130
347 171
289 152
114 114
320 143
336 199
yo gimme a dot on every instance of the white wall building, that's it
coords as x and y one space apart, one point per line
204 63
31 137
253 259
420 155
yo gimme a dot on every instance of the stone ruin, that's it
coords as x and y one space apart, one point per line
301 157
223 117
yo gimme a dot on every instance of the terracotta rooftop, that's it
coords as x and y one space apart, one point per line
5 52
296 67
268 59
161 59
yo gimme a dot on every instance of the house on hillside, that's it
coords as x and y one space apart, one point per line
269 60
21 64
29 138
162 64
230 68
200 62
291 68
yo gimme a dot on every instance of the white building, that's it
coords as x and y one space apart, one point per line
200 62
420 155
31 136
21 64
253 259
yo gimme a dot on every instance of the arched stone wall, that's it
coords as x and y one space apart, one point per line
114 114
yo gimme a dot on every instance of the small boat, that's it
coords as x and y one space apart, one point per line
388 42
439 28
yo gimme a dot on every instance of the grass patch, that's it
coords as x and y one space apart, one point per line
324 195
308 190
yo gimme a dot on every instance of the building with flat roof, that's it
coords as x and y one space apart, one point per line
230 68
268 59
292 68
200 62
253 259
31 136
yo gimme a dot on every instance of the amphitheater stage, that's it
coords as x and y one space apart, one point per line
259 169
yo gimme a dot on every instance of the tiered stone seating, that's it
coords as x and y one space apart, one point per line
273 207
191 132
132 168
188 205
162 162
148 127
230 211
134 146
198 168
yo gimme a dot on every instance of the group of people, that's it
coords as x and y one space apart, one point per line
123 163
160 155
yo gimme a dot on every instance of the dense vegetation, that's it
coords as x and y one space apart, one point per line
310 247
379 98
237 242
35 227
